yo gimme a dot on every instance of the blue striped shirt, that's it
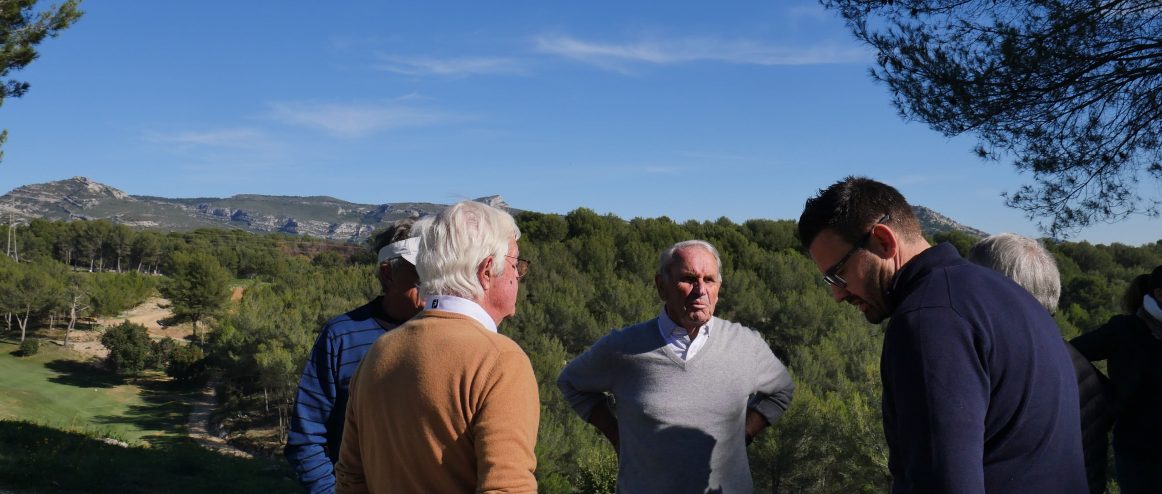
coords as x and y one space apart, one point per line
316 424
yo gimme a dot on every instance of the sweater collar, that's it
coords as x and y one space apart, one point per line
451 303
919 267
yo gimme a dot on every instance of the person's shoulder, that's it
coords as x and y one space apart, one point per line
358 315
633 331
735 330
628 338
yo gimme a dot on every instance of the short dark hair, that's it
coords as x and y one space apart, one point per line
851 206
399 230
1156 278
1138 287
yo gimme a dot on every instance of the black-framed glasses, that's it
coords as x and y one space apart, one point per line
522 266
831 276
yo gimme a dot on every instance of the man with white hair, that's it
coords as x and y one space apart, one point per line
444 403
690 390
316 424
1027 262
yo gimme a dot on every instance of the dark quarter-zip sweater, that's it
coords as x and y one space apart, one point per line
979 391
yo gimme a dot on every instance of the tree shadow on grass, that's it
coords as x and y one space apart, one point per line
166 408
35 458
83 374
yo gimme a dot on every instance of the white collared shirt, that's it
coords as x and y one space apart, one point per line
452 303
679 338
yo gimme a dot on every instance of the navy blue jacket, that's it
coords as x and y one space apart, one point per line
1135 364
316 424
979 391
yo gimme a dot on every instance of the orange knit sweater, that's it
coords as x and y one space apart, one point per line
441 405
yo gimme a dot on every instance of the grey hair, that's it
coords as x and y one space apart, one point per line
460 238
1024 261
666 260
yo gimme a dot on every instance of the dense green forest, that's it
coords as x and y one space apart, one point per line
590 274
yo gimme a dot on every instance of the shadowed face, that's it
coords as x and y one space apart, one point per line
691 292
861 272
400 292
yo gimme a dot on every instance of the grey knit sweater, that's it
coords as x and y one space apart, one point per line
681 423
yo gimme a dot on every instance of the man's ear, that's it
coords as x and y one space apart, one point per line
659 285
484 273
884 242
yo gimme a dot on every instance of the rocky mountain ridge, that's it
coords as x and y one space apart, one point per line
80 198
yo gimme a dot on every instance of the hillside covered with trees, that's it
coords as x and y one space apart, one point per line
590 274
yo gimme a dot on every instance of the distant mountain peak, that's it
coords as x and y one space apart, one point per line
494 201
932 223
81 198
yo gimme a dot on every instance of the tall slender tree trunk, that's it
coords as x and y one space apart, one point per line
72 319
24 322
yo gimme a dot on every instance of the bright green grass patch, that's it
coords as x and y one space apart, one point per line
54 409
55 389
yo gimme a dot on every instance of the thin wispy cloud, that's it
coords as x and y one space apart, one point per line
419 66
236 138
621 56
358 120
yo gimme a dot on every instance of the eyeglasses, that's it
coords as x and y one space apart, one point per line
522 266
831 276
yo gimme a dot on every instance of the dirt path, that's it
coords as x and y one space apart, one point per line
199 425
150 314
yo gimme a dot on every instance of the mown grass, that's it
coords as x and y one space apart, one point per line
57 389
55 409
38 459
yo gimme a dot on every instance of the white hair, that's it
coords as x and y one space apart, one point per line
667 258
1024 261
460 238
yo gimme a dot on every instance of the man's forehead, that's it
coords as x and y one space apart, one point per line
826 245
688 259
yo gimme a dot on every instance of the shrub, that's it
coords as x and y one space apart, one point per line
29 347
186 364
162 353
130 349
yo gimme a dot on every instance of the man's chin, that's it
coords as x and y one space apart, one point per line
874 316
698 318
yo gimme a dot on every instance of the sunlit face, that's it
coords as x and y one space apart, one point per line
862 273
691 292
501 295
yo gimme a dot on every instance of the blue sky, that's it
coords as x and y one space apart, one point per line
693 110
